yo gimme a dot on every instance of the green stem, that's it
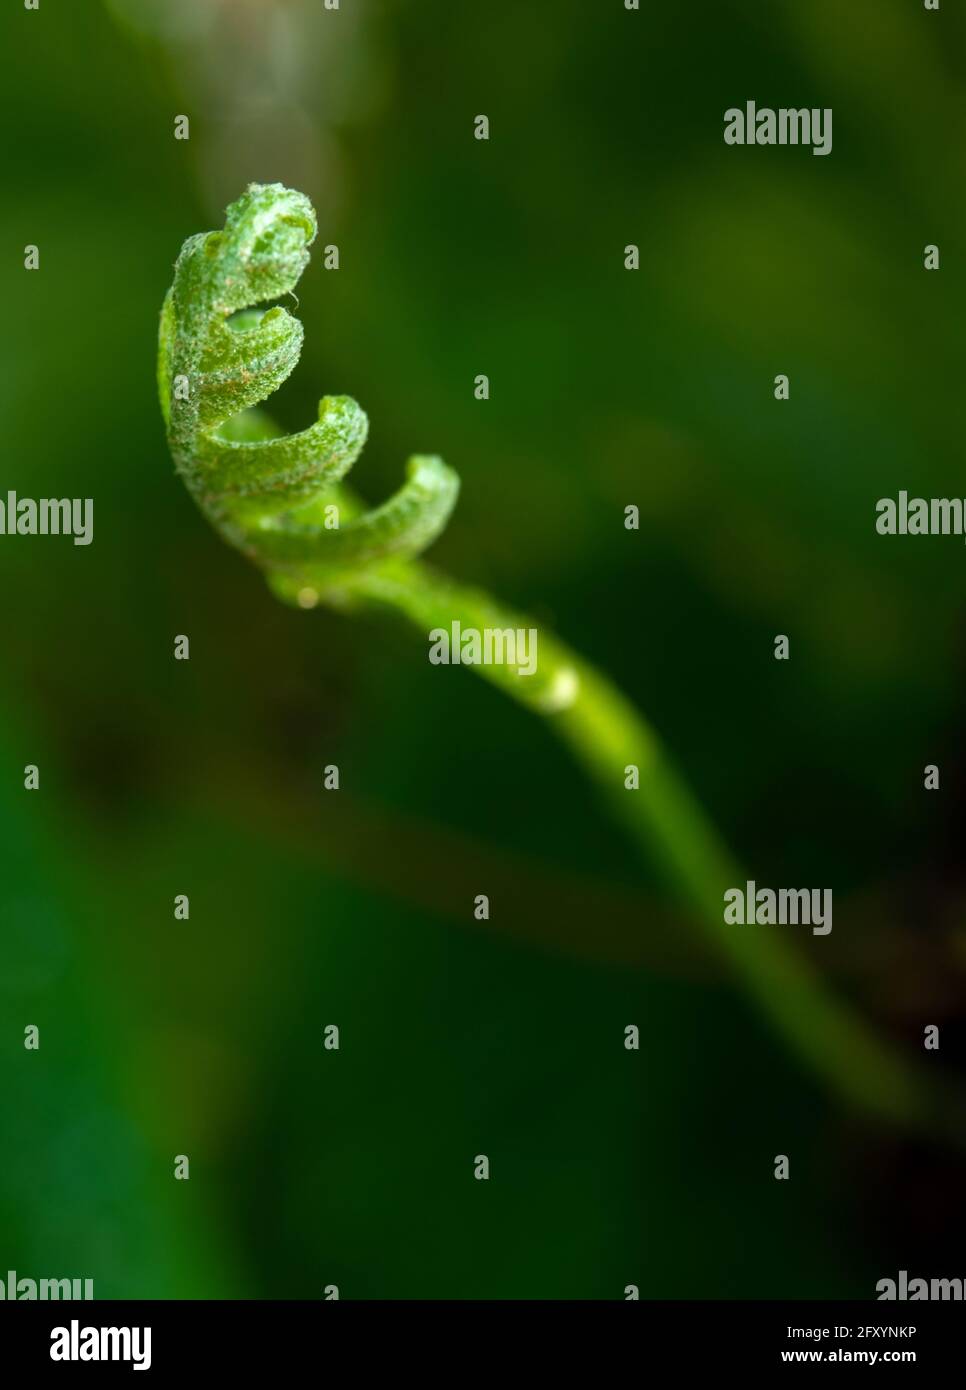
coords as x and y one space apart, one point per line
607 734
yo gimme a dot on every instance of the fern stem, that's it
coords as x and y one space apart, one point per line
606 733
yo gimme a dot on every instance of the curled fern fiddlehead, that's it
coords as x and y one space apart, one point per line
274 497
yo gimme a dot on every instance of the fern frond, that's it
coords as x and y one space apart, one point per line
221 354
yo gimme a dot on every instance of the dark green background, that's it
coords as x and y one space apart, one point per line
608 387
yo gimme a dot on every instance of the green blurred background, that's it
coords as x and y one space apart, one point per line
609 387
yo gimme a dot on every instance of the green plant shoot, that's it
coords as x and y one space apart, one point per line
282 501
